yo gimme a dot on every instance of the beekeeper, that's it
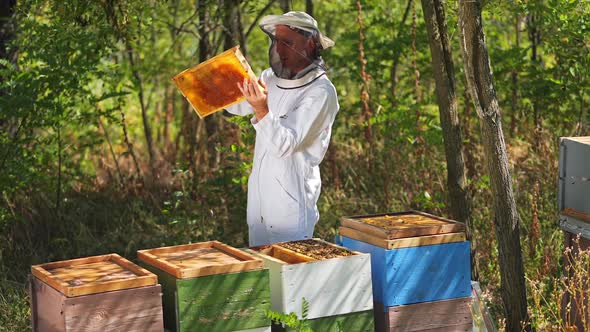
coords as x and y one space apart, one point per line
294 106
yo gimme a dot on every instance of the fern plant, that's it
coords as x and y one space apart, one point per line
291 319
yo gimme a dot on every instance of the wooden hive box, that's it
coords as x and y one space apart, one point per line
210 286
335 281
437 316
415 257
99 293
574 219
213 84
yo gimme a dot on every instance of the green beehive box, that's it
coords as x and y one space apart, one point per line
361 321
210 286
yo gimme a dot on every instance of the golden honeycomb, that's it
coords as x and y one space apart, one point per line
213 85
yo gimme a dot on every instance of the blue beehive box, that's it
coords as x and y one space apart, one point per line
433 266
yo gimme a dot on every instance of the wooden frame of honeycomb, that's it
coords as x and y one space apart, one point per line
213 84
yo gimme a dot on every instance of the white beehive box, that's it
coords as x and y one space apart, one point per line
332 286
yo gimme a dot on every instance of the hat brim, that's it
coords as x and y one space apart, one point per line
269 23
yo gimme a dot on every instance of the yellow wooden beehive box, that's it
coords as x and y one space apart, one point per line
213 84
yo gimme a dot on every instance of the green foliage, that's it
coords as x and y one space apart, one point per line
14 307
71 130
549 294
291 319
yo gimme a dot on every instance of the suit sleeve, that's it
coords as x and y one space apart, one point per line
242 108
313 115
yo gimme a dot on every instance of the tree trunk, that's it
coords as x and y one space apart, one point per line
285 5
141 96
514 86
366 80
444 69
6 35
233 32
257 19
6 28
196 137
478 74
535 39
309 7
397 54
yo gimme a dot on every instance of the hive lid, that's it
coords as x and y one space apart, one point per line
199 259
580 139
91 275
213 84
402 225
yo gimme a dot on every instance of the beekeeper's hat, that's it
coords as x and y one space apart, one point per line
293 19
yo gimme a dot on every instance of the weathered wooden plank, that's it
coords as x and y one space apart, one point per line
130 310
130 266
213 270
75 261
152 260
402 224
47 307
232 251
92 275
403 242
445 315
199 259
417 274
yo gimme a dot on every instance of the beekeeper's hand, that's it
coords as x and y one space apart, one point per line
257 96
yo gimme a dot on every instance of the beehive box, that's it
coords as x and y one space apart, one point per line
574 188
210 286
443 316
574 174
99 293
335 281
415 257
574 220
213 84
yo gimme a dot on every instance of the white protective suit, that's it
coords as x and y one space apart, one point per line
291 141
